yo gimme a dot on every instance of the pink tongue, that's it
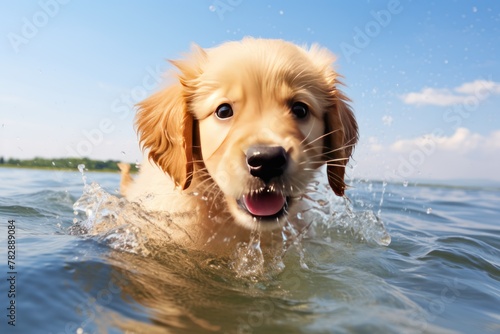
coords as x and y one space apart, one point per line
264 204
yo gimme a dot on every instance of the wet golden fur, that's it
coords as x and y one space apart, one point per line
196 161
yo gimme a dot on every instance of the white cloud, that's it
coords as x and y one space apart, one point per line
374 144
469 92
462 141
461 155
433 96
479 87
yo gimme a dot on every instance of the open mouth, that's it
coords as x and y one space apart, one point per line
267 204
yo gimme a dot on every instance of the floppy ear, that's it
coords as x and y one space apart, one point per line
165 129
341 131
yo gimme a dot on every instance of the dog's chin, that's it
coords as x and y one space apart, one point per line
263 210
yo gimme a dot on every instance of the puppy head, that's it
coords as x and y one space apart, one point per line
266 114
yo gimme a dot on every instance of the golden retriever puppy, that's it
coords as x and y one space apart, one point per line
232 144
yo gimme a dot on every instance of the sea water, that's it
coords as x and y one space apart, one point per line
395 258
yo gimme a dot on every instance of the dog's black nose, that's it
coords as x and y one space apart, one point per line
266 162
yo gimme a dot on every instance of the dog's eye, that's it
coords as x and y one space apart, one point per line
300 110
224 111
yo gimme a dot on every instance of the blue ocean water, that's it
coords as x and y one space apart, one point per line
439 273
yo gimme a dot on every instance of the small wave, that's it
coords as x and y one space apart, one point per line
43 212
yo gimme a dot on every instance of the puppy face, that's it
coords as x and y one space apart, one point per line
264 115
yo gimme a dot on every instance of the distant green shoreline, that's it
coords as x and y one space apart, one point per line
65 164
66 169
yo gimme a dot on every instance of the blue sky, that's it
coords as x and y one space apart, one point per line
424 77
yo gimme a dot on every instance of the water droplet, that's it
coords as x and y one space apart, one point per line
405 183
123 152
387 120
474 9
282 12
81 168
385 240
429 211
322 202
212 8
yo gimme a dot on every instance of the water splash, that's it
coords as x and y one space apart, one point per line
292 237
81 169
327 218
384 186
125 226
100 214
248 260
364 226
106 217
338 215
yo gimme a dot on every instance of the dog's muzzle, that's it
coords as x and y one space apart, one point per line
266 163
